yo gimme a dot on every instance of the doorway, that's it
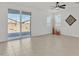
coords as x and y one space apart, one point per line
56 25
19 24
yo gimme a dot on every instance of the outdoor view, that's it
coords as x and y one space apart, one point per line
18 23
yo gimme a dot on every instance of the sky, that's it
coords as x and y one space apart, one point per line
17 17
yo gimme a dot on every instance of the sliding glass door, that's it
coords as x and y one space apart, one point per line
18 24
25 22
13 23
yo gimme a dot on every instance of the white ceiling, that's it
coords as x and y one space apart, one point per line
46 5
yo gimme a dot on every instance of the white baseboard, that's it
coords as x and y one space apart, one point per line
41 35
77 36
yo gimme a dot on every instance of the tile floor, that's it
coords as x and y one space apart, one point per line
46 45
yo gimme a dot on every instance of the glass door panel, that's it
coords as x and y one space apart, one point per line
25 23
13 23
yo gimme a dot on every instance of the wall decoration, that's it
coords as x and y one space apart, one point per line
70 20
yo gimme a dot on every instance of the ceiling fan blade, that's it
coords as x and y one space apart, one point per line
63 5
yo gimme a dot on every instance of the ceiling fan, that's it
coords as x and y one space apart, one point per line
58 6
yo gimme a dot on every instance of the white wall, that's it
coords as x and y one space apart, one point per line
65 28
3 24
38 20
39 26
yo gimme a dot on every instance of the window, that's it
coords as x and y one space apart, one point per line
58 20
57 24
49 23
